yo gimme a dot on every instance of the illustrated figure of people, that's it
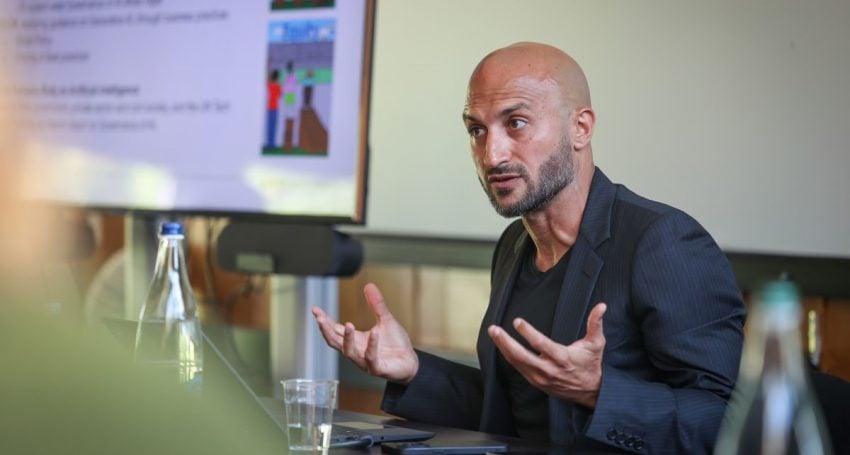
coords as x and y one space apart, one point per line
273 90
309 81
290 88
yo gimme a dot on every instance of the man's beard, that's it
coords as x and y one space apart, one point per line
555 174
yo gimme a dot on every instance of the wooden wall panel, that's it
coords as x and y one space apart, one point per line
835 329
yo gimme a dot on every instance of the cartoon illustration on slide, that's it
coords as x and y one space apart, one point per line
297 4
273 102
300 68
290 86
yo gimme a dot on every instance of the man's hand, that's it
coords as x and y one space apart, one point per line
571 372
384 350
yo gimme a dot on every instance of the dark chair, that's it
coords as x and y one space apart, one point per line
833 394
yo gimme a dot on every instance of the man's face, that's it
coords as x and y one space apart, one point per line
520 143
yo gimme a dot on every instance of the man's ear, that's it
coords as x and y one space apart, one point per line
584 120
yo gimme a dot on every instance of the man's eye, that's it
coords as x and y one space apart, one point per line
516 123
475 131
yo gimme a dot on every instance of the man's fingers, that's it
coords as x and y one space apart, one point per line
331 330
333 339
595 332
515 353
541 343
376 301
349 346
320 315
372 349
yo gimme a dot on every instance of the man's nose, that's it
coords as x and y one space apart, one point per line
496 150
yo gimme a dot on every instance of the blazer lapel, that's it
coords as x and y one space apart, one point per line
494 409
584 268
574 302
505 278
569 320
585 264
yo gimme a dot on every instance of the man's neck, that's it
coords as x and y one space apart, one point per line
555 228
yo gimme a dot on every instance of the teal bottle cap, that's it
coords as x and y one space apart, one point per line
779 294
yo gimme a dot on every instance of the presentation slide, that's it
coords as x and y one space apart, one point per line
207 106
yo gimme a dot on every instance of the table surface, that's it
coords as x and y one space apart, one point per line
451 435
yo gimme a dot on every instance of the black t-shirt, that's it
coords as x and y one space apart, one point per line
533 298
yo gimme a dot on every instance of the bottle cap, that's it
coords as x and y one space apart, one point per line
171 228
780 294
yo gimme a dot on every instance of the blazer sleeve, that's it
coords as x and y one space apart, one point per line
442 392
684 296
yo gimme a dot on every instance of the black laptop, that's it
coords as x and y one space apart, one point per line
349 431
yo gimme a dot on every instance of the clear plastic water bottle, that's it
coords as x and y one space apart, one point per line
169 334
773 409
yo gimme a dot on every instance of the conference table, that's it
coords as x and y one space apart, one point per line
447 435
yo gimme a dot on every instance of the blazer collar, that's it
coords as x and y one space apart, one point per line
596 220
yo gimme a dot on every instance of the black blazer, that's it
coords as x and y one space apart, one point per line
673 333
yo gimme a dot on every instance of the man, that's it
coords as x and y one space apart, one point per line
657 377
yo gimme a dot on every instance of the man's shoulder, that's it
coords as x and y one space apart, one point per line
612 209
637 213
627 200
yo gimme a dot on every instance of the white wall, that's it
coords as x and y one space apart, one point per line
737 112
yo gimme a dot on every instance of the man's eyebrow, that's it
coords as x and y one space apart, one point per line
511 109
504 113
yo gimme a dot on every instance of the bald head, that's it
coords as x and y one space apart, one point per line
536 61
530 125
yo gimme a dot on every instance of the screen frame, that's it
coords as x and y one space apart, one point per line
361 158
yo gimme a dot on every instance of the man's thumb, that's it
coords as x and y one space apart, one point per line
595 333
